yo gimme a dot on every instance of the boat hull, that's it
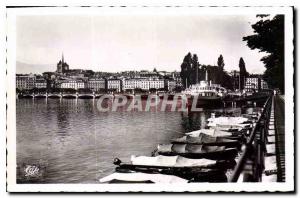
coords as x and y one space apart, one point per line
215 155
205 101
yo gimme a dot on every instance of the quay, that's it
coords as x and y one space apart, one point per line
279 116
263 157
255 153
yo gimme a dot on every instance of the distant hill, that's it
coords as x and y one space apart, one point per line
25 68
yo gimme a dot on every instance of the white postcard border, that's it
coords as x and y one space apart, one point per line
11 96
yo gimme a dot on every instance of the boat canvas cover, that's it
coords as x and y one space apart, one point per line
203 138
170 161
143 177
230 121
225 120
211 132
188 148
229 129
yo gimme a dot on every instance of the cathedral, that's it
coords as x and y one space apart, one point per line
62 66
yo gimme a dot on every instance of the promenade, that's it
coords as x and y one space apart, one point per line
279 107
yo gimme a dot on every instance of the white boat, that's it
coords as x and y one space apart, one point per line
206 89
142 177
170 161
206 93
229 122
212 132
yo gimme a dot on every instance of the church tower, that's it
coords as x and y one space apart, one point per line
62 66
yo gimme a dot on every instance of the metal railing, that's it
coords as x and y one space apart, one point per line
251 161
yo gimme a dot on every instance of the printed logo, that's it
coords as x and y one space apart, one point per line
31 171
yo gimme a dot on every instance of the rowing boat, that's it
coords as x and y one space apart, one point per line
194 151
206 140
142 178
212 132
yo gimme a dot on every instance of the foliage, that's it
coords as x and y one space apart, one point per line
186 70
220 62
269 37
192 72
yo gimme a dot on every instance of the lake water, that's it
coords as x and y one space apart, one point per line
72 142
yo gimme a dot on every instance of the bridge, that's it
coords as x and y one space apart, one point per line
60 95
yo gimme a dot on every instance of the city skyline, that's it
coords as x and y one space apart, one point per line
114 43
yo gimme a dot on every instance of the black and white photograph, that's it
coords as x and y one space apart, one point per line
150 99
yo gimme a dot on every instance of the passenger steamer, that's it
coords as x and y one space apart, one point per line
206 94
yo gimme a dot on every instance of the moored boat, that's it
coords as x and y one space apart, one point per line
205 94
193 151
136 177
208 140
212 132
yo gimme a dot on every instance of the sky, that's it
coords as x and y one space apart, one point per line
133 42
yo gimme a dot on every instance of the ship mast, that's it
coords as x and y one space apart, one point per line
197 74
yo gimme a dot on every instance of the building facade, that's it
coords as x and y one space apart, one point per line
143 83
96 84
255 83
114 85
171 84
154 84
24 82
40 83
72 84
131 84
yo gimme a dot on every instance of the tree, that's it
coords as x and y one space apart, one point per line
220 72
269 37
220 62
227 80
243 73
186 70
242 66
195 69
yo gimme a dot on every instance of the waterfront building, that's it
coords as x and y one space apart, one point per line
96 84
170 84
24 82
176 77
114 85
40 83
154 83
131 83
143 83
72 84
255 82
